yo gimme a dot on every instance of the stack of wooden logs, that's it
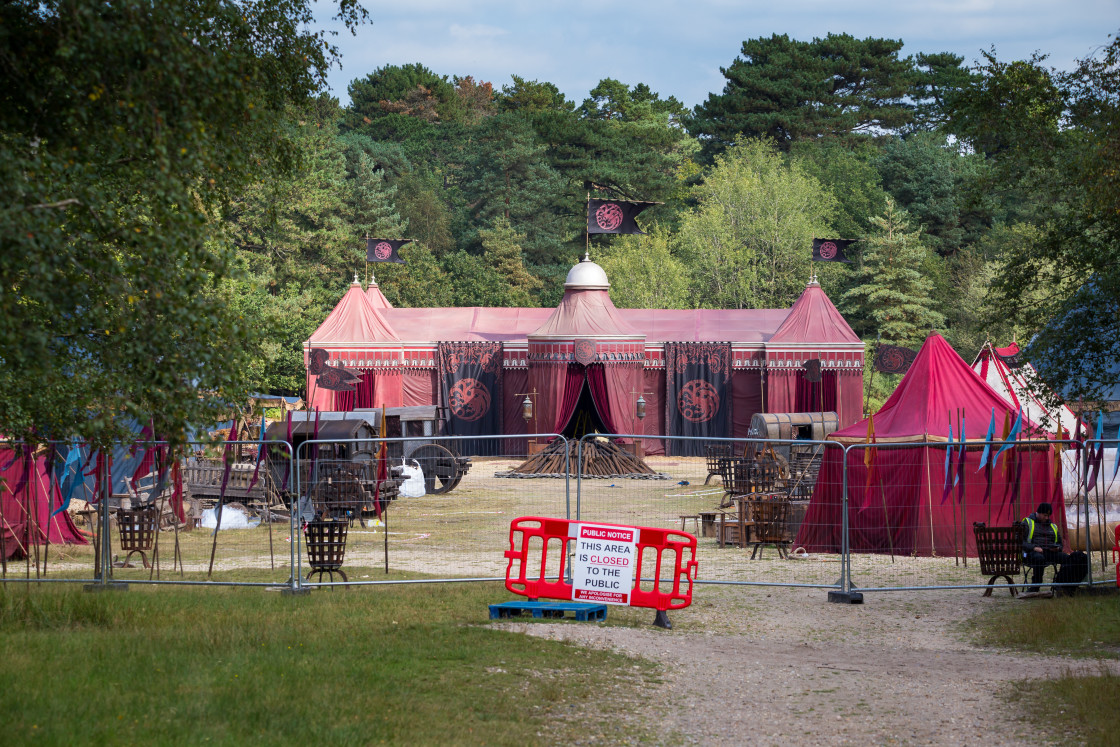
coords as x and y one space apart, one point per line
601 458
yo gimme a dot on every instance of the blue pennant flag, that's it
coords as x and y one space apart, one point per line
960 457
988 438
1096 453
1012 436
71 470
948 459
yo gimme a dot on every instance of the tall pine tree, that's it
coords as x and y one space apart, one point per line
891 294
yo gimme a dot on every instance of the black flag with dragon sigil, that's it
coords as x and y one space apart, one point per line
698 378
385 250
471 385
893 359
614 216
832 250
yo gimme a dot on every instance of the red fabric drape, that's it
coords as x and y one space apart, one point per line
14 523
614 390
908 481
850 384
746 399
781 389
815 396
653 390
374 389
573 386
551 381
516 381
418 387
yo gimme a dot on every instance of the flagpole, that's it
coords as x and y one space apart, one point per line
52 452
929 490
949 448
586 233
964 508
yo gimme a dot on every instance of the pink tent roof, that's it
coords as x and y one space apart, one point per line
466 323
1023 387
705 325
814 318
368 319
353 321
585 313
516 324
938 383
376 297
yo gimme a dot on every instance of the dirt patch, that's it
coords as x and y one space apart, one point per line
783 666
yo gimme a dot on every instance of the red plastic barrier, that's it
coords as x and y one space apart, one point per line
528 575
1116 554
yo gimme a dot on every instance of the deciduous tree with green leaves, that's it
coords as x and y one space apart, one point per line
124 129
748 242
643 272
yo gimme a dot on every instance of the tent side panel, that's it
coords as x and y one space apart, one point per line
654 392
850 383
516 381
418 387
746 398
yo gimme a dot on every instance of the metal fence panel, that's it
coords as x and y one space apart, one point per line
746 502
458 532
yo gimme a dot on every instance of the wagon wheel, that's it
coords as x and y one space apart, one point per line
441 469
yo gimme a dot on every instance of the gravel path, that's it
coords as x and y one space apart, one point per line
783 666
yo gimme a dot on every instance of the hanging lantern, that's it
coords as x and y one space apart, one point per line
640 407
527 409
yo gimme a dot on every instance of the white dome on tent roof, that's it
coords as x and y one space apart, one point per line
586 275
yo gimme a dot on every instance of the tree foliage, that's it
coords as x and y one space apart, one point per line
891 291
124 128
745 243
789 90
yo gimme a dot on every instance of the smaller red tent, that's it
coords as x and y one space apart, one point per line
19 527
900 507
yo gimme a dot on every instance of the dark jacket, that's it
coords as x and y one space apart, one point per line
1040 533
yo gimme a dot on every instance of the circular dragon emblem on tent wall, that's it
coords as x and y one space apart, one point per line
383 250
609 216
828 250
698 401
469 399
584 351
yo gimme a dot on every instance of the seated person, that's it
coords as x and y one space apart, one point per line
1042 545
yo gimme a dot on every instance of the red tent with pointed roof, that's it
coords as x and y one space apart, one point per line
376 297
813 329
628 349
356 325
610 356
898 506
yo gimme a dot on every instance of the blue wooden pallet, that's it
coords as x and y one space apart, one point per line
583 611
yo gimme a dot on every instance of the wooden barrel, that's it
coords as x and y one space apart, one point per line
808 426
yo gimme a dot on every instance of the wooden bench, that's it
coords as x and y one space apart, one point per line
1000 550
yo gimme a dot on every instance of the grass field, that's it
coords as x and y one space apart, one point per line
400 664
1085 626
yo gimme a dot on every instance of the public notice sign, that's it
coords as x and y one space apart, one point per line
603 569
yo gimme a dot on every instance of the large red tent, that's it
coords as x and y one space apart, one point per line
27 500
585 344
901 507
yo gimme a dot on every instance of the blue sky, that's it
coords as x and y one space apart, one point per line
677 48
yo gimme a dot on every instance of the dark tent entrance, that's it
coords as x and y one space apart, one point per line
575 399
585 417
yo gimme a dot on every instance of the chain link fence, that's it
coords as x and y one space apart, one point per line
794 513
